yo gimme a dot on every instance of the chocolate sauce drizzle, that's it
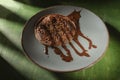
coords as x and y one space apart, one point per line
74 16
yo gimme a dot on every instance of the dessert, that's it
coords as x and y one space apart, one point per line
55 30
51 30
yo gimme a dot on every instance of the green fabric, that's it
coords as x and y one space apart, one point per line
14 14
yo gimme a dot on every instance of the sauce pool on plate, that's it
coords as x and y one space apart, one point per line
55 30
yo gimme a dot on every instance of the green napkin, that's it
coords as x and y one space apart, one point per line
14 14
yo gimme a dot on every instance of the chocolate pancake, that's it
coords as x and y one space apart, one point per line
54 30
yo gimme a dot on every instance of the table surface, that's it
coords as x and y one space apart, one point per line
14 14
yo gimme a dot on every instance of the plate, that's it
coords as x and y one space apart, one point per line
91 26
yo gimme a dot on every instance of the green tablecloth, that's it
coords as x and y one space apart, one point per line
14 14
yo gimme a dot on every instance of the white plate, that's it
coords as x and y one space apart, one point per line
90 24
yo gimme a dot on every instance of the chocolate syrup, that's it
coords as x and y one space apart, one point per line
74 16
67 58
46 50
